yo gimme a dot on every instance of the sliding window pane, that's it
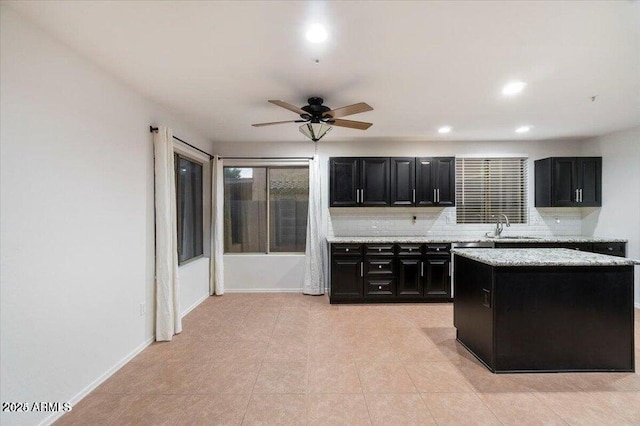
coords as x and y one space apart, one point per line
288 205
245 209
189 206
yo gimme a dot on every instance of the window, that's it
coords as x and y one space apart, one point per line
487 187
189 208
265 209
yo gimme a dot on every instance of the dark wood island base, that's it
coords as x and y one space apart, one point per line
545 318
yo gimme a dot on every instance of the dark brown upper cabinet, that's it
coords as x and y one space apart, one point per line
568 182
403 181
423 181
356 182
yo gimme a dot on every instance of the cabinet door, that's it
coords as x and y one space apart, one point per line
564 182
445 181
403 177
344 179
425 190
438 280
590 181
409 282
346 277
374 181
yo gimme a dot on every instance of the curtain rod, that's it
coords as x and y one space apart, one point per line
155 129
267 158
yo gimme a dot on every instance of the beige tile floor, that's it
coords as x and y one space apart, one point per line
290 359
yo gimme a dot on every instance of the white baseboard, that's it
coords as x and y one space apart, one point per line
263 290
195 305
97 382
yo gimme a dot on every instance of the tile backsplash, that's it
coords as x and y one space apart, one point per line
440 222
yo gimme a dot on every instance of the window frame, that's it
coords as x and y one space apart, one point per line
267 167
176 158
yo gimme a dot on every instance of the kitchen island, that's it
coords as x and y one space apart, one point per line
545 310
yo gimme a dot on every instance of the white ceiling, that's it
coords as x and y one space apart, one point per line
420 65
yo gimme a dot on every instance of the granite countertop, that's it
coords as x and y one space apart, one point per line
466 239
542 257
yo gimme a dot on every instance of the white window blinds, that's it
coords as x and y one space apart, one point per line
487 187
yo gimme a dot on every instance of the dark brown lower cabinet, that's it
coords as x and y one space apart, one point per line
400 272
409 272
437 277
611 248
409 277
346 277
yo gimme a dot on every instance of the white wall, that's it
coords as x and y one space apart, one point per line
259 273
620 213
77 226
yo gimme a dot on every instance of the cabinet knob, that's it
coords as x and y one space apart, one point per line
379 287
409 249
346 249
379 266
610 248
379 250
437 249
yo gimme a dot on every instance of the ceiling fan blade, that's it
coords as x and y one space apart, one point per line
288 106
277 122
360 125
349 110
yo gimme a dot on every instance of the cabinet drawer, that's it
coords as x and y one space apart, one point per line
409 249
348 249
378 266
379 250
576 246
377 287
613 249
437 248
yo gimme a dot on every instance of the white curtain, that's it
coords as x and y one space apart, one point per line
216 267
314 280
168 321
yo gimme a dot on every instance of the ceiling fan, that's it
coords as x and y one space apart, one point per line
319 118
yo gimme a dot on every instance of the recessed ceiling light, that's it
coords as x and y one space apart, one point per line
523 129
444 129
513 88
316 33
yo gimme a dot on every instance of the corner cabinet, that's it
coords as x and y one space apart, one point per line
368 273
568 182
358 182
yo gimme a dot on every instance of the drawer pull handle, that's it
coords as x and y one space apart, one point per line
346 249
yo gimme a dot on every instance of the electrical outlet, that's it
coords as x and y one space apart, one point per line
143 309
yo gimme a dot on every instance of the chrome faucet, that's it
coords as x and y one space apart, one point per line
499 224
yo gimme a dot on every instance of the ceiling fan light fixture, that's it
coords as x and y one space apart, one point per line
315 131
